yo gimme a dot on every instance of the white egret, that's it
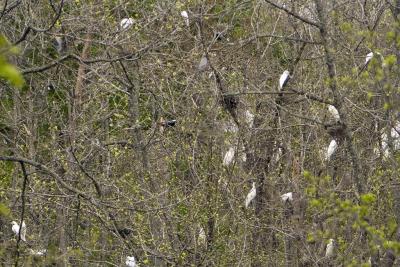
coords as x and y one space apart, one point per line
40 252
251 195
202 239
369 57
185 16
130 261
249 118
15 228
284 79
126 23
203 63
287 197
330 248
394 133
331 149
334 112
229 155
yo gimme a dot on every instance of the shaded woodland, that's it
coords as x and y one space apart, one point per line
200 133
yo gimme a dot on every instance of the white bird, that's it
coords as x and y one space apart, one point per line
369 57
249 118
202 239
130 261
334 112
15 228
394 133
331 149
185 15
126 23
229 155
40 252
330 248
251 195
287 197
284 79
203 63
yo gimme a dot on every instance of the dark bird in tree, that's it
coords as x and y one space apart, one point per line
169 123
124 232
336 130
230 103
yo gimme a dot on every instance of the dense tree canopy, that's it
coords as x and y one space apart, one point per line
200 133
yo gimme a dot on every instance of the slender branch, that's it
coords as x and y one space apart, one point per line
279 37
95 183
73 56
29 28
42 167
297 16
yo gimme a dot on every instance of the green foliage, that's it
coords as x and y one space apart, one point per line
7 70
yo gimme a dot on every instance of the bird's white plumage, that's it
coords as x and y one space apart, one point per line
284 78
287 197
249 118
229 155
185 16
202 236
40 252
394 133
334 112
126 23
369 57
15 228
130 261
330 248
251 195
331 149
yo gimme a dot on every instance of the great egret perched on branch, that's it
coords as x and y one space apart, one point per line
130 261
330 248
251 195
334 112
229 155
331 149
249 118
15 228
185 16
287 197
126 23
284 79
